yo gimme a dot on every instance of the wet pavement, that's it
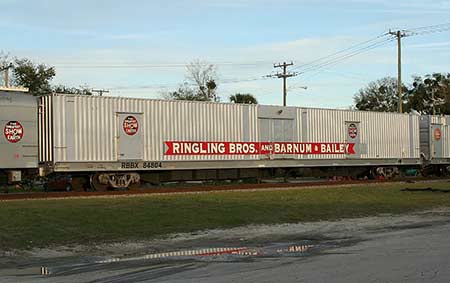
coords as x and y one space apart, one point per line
390 250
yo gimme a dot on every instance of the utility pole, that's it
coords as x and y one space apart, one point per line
6 69
399 34
284 75
100 91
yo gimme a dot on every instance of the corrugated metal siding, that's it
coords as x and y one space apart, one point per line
45 129
86 127
382 135
83 128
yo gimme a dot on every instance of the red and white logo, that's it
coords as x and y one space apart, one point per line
437 134
13 131
130 125
352 131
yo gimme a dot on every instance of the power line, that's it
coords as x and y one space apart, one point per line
322 69
174 84
431 26
425 30
340 51
364 46
316 66
343 57
150 66
230 81
346 56
429 29
236 80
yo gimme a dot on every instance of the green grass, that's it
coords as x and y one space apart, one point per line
43 223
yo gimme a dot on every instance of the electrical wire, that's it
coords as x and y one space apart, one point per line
429 29
348 49
413 33
150 66
317 65
337 60
333 59
229 81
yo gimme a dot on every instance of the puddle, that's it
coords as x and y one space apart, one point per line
426 190
222 254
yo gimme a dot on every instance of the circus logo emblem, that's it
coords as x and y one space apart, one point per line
130 125
13 131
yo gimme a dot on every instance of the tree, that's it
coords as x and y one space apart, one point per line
36 77
380 95
203 77
430 94
82 90
5 61
184 92
244 98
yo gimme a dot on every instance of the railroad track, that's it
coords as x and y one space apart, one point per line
201 188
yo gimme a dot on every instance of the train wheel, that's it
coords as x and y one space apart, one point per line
96 185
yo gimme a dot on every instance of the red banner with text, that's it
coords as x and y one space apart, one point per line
258 148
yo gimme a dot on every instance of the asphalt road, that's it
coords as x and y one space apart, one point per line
418 252
413 255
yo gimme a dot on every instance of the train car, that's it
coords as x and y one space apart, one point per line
118 142
18 143
435 142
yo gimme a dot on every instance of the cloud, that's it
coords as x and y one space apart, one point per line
89 33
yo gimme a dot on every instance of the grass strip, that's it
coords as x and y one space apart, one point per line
44 223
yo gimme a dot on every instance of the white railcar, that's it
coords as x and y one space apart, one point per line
435 140
120 139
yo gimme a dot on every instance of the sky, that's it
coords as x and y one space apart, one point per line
139 48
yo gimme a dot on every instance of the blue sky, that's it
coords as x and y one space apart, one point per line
155 39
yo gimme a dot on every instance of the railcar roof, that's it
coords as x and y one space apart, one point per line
223 103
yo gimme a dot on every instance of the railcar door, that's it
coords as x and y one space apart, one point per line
283 131
353 135
130 136
436 140
276 130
